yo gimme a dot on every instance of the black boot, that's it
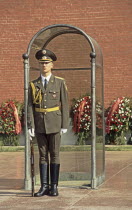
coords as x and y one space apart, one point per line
54 174
44 178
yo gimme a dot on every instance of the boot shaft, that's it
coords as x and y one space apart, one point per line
44 174
54 173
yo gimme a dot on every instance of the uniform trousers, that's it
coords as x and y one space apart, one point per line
49 145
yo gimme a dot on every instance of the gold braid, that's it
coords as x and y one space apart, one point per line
36 98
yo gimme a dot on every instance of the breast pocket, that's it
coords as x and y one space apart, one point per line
54 94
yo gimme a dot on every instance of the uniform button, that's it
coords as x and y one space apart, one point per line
45 94
45 113
44 100
45 106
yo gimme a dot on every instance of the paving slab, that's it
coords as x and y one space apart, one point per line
114 193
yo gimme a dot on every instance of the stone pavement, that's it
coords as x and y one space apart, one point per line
114 193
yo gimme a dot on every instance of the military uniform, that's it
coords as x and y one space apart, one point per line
48 113
50 106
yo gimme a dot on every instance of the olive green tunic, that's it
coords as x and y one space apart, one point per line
41 105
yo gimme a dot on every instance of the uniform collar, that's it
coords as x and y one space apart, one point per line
47 78
39 83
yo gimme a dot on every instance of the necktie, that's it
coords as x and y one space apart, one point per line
45 84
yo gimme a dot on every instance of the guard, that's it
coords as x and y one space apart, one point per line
48 115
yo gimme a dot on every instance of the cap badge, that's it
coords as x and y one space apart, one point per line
44 57
44 52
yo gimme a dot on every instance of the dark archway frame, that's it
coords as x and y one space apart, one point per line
95 49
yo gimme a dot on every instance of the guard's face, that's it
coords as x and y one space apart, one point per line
46 67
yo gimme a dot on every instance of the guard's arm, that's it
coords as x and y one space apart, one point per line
64 105
30 118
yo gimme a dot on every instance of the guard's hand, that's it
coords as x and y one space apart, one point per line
63 130
31 132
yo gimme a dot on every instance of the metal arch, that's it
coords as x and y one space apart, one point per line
61 25
58 34
93 68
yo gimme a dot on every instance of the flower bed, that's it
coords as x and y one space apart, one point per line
10 122
118 120
81 118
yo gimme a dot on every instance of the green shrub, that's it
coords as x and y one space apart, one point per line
121 140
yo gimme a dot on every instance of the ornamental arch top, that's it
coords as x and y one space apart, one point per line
76 51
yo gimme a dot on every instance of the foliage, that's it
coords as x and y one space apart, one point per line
120 140
6 140
10 115
99 139
81 118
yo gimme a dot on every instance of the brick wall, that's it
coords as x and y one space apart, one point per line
108 22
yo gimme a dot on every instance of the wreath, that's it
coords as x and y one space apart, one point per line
81 118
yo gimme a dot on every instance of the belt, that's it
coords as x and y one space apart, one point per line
47 110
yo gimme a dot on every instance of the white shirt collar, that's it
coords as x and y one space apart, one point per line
43 78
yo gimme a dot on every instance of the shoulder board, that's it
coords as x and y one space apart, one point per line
35 81
59 78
